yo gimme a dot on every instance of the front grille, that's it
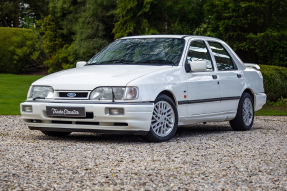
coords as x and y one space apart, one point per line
78 94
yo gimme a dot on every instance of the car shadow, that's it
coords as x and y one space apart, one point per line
93 138
196 130
182 132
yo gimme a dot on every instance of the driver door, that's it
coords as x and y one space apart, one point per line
204 89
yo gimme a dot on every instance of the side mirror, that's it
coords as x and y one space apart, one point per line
198 66
81 64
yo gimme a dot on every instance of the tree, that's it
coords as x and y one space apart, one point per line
83 26
255 29
138 17
16 13
9 12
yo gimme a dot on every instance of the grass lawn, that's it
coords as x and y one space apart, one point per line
271 110
13 91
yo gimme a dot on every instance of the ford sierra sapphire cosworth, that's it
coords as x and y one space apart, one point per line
148 85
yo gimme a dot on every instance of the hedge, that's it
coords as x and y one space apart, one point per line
21 51
275 81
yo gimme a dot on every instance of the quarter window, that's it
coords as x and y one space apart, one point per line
198 52
223 60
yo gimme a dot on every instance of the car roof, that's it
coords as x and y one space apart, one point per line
171 36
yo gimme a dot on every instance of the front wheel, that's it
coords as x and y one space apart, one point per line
164 120
245 114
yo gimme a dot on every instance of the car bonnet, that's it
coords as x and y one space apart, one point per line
90 77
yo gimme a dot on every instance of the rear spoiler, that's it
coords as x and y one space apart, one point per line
256 66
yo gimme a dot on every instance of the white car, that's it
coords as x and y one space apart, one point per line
148 85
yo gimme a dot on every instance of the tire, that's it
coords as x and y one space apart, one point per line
163 124
56 133
245 114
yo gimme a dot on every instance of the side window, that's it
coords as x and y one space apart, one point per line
223 60
198 52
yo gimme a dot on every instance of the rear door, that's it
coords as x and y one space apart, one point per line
232 80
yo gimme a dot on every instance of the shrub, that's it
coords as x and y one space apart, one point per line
21 51
61 60
275 81
281 102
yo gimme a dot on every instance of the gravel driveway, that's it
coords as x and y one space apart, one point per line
201 157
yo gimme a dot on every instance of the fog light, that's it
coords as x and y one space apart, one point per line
116 111
27 108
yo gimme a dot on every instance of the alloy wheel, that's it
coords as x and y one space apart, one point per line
247 111
163 118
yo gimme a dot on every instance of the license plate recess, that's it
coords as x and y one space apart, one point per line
66 111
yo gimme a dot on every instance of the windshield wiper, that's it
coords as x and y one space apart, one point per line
148 61
115 61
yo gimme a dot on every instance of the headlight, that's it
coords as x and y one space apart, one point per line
119 93
41 92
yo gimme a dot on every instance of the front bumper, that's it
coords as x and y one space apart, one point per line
136 118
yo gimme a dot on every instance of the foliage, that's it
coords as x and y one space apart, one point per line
280 102
88 23
275 81
76 30
21 51
14 90
6 13
139 17
52 38
256 29
61 60
22 13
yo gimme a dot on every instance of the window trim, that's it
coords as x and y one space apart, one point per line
232 61
207 48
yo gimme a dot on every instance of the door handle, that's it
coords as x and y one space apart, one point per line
214 76
238 75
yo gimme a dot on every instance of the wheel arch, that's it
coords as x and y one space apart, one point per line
251 92
169 94
248 90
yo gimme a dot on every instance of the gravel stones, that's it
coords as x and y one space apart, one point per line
200 157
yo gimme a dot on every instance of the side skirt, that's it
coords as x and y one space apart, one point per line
216 117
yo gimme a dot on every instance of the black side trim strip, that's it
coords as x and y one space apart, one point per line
95 102
208 100
89 130
230 98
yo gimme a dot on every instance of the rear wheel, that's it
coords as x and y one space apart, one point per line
56 133
245 114
164 120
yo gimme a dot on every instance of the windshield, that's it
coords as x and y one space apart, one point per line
148 51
